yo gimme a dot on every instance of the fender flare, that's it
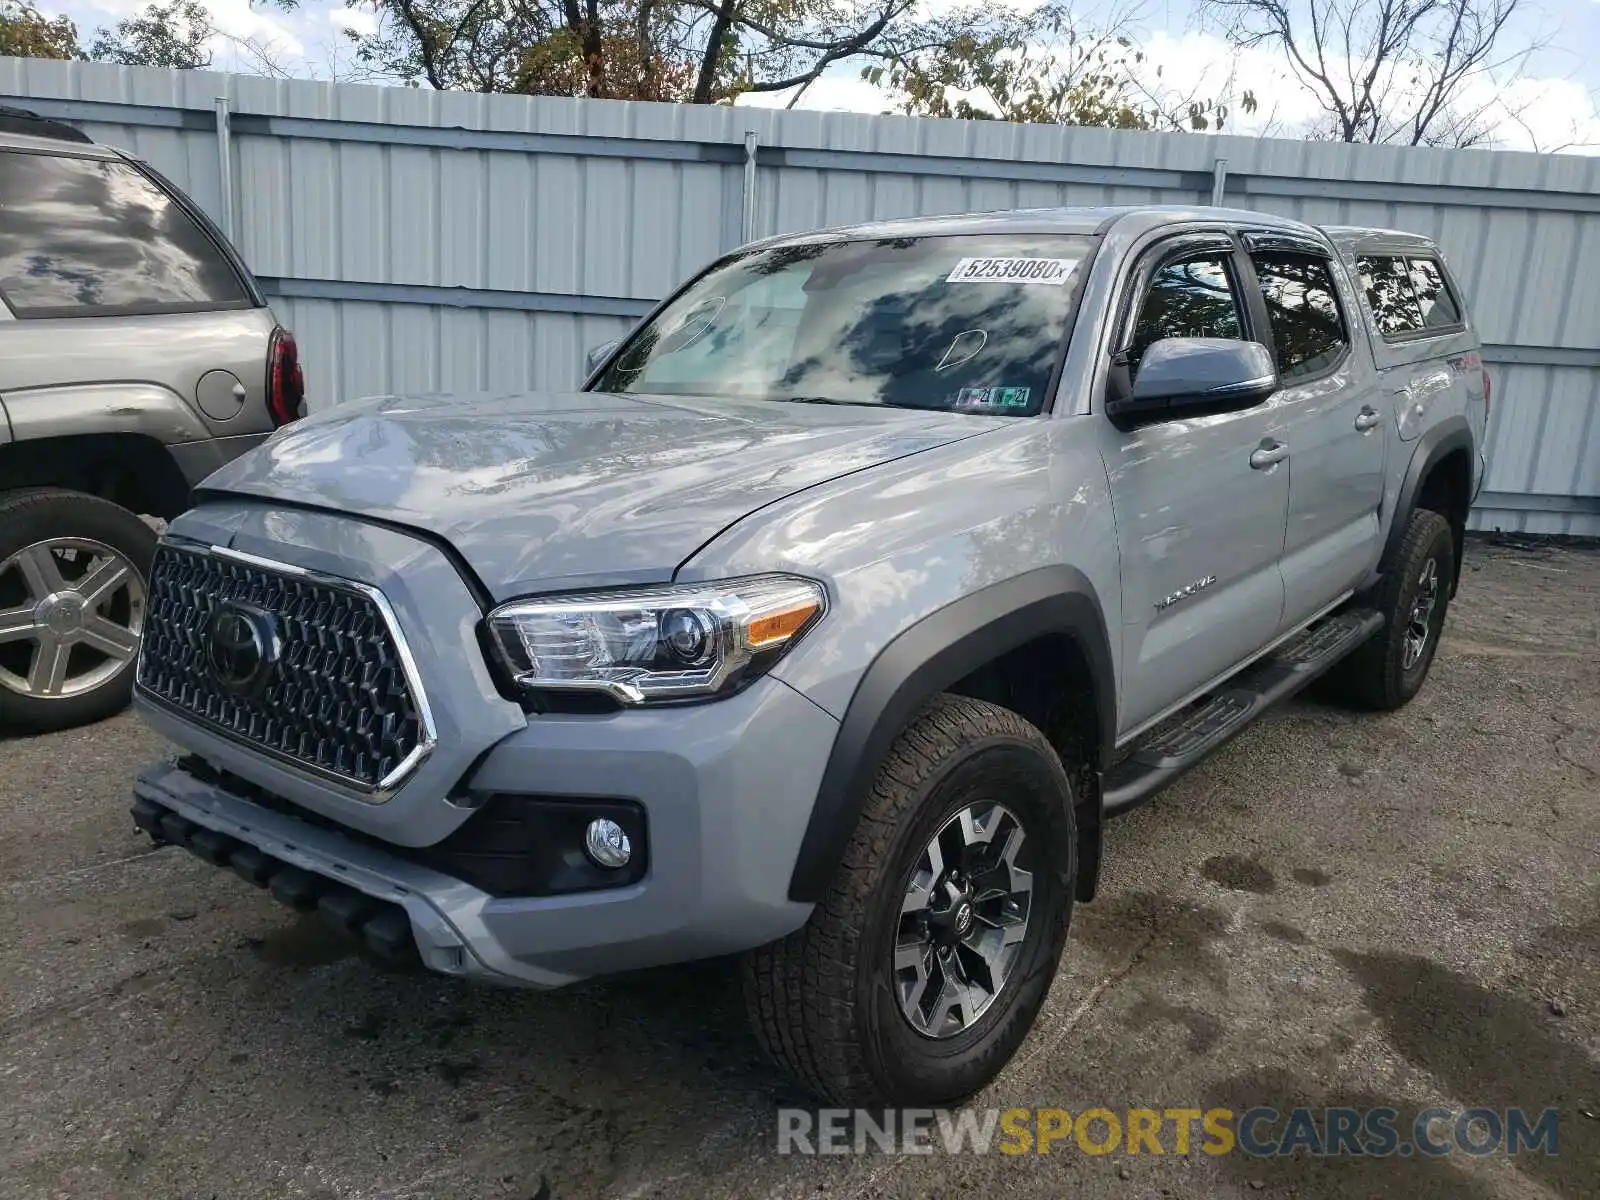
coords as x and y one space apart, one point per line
925 659
1445 438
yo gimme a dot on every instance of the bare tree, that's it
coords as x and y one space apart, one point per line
1385 70
274 59
1047 66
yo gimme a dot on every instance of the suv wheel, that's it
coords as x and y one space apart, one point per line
74 571
923 968
1390 668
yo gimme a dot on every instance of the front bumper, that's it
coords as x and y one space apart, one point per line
727 789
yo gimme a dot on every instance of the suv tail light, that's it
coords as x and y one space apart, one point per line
286 385
1487 389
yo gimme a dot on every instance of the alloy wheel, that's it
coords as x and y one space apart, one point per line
963 920
71 611
1419 626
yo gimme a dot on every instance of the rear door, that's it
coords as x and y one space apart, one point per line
1333 418
1200 526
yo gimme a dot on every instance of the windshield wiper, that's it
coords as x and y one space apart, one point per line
812 400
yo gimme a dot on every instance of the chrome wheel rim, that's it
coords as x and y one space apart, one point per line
71 610
1419 626
963 921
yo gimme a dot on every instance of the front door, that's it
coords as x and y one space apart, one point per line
1331 410
1200 526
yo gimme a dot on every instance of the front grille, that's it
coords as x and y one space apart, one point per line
337 700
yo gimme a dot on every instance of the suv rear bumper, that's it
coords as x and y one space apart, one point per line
727 789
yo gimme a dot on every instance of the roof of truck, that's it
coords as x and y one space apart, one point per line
1132 218
1351 238
1069 220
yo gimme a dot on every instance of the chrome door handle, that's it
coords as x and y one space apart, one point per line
1269 454
1367 419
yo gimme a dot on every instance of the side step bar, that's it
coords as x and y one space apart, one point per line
1180 742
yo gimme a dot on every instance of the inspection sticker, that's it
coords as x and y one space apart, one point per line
993 397
1052 272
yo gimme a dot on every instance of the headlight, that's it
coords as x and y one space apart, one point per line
659 643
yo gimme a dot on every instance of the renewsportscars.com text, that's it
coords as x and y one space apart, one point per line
1258 1132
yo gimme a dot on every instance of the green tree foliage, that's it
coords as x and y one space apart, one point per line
702 51
171 35
25 32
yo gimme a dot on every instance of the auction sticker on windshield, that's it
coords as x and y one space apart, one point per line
1003 398
1052 272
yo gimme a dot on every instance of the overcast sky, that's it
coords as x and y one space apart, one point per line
1556 99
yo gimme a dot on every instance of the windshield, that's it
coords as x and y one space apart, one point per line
968 323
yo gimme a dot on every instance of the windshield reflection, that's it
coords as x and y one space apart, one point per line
970 323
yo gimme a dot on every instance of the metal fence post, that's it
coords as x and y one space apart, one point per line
1219 180
225 165
747 223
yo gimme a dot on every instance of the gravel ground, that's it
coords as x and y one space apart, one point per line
1335 909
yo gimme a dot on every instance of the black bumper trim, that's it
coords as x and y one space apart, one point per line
380 926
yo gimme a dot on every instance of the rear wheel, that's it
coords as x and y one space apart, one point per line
74 573
924 966
1391 667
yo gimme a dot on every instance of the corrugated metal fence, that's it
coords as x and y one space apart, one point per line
419 240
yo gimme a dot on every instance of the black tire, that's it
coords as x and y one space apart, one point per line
824 1002
42 514
1382 675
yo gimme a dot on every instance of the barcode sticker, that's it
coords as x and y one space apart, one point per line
1051 272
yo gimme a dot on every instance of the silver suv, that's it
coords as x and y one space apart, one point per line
867 578
136 357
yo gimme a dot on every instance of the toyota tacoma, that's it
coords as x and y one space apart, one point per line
830 621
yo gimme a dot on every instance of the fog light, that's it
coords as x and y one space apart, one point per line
606 844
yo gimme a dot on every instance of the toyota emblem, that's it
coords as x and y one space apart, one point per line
242 647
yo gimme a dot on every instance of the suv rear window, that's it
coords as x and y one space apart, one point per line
1408 295
83 237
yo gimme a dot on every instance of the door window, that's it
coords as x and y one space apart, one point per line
1192 297
1308 332
89 237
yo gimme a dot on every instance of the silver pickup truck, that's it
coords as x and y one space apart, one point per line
829 623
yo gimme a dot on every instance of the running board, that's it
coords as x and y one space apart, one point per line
1185 738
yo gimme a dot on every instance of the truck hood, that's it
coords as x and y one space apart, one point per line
547 491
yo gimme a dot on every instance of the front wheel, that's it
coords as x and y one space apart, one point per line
74 571
1390 669
923 968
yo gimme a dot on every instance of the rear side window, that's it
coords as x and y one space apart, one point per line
1394 302
1407 296
1439 307
1308 333
83 237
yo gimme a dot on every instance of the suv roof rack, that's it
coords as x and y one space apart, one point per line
20 120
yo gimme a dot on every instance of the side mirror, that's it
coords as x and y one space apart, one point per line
1193 377
598 355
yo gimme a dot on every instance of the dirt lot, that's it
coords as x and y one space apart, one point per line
1336 909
